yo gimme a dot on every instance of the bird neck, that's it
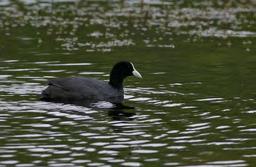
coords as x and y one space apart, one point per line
116 81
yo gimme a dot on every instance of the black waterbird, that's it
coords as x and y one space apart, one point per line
79 90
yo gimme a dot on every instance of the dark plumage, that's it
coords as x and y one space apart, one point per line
86 90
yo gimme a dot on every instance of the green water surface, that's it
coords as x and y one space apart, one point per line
195 105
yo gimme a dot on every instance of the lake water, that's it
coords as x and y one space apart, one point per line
195 105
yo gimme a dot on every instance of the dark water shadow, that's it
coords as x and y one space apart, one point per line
115 111
118 114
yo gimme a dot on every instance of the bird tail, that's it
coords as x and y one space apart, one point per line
45 96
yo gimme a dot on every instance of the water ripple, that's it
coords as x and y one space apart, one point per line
189 111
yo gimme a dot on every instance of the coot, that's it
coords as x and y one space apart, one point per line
87 90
